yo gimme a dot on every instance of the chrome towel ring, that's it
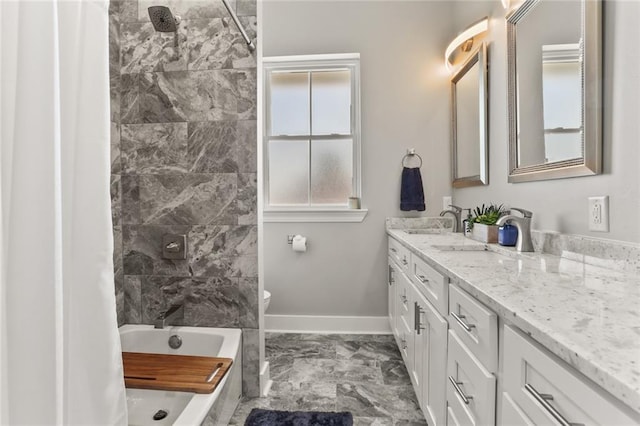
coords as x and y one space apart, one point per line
411 153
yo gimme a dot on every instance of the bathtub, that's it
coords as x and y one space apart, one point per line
185 408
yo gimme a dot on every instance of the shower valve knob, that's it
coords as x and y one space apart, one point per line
174 246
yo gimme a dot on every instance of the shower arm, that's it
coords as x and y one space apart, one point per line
250 44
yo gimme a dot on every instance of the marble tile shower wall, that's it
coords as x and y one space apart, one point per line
184 162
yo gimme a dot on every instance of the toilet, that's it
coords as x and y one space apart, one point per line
267 299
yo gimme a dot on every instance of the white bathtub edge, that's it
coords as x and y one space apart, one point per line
198 407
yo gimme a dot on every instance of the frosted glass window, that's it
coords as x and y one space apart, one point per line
289 103
288 172
311 134
562 146
331 171
331 102
562 94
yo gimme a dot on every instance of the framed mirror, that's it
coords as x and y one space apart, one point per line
469 136
554 73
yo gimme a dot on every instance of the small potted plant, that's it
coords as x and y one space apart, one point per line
483 223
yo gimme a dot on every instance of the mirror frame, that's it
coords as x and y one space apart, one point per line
591 161
479 56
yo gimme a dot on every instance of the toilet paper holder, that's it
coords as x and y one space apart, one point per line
297 242
290 238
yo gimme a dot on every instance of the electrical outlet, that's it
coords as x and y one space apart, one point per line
446 202
599 214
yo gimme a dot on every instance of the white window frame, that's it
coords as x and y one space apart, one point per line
314 213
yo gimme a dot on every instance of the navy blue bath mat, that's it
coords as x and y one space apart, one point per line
259 417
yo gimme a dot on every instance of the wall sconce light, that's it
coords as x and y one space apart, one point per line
465 40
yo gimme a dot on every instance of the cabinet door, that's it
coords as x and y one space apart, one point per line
400 293
401 322
430 361
391 294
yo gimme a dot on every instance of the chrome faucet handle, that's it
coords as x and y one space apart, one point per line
456 208
526 213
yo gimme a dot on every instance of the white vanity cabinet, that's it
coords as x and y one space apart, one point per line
419 327
399 294
539 389
430 361
469 366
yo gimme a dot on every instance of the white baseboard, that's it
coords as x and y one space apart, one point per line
326 324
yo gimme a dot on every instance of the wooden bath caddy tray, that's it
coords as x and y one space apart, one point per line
199 374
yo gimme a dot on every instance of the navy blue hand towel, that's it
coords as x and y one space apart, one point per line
411 192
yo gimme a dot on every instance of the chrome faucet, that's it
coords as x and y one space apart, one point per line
171 315
457 214
523 243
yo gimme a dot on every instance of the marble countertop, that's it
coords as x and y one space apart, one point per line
587 315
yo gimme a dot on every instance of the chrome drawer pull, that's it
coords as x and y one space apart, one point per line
460 320
404 261
423 279
404 344
456 386
542 399
393 250
391 279
417 311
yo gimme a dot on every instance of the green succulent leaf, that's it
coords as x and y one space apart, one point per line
487 215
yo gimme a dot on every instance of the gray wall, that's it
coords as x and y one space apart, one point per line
561 205
405 104
184 162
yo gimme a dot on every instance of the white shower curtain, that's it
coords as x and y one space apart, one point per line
60 359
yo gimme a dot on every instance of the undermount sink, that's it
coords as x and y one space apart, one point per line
425 231
503 251
461 247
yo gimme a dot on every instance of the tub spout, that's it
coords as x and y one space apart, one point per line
173 314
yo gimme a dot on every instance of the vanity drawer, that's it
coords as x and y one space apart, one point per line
547 391
400 254
476 326
431 283
511 414
471 388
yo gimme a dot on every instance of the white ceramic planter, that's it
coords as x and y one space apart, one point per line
485 233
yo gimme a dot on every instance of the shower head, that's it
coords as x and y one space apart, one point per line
163 20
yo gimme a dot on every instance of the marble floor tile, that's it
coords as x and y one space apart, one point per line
280 367
379 351
357 371
394 372
372 421
409 423
312 370
318 396
361 374
372 400
245 407
303 349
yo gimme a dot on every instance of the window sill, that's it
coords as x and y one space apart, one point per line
318 215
